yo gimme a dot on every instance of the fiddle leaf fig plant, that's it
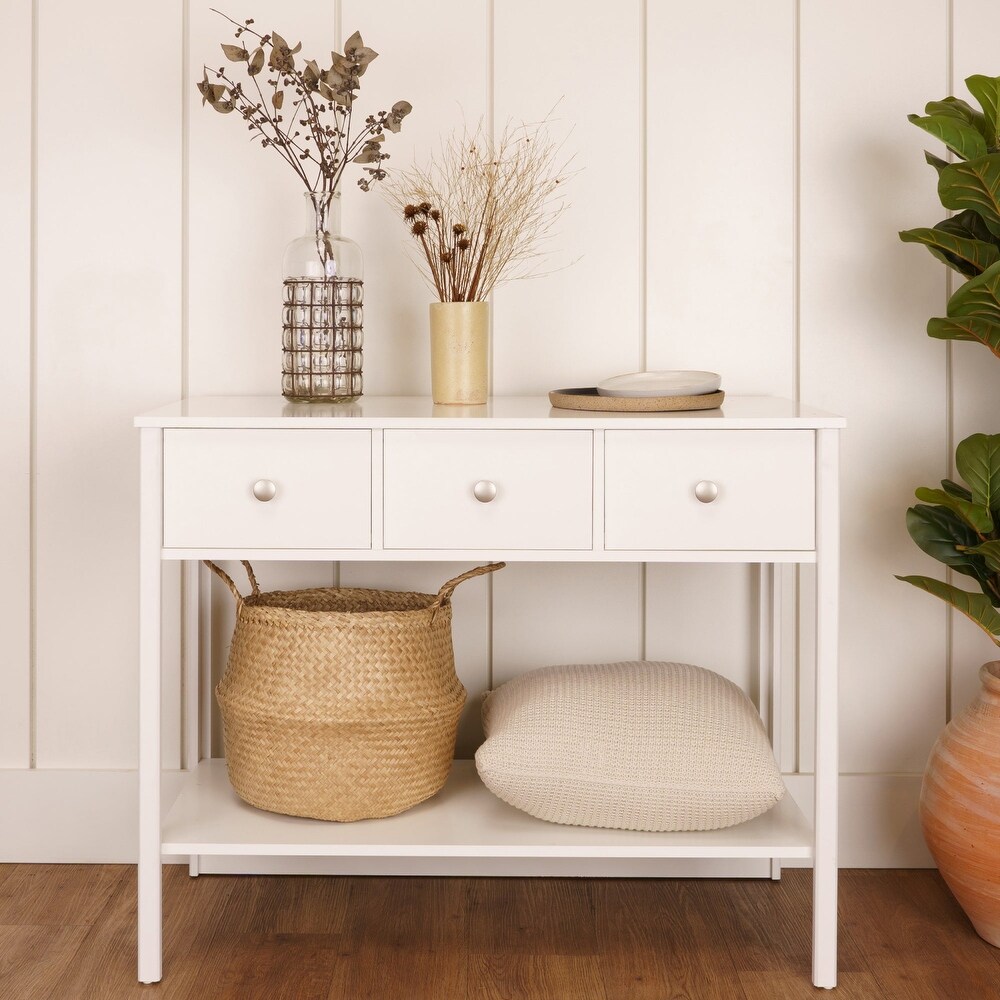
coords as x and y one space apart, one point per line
959 525
968 242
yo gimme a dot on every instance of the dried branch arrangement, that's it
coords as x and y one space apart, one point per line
316 139
481 211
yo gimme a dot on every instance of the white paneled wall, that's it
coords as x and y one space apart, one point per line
16 209
108 340
864 302
740 174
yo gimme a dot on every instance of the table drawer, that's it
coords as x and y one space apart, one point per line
765 482
543 489
322 489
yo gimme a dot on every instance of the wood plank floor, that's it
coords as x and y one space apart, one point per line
67 933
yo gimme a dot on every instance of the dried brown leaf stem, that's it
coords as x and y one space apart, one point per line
323 97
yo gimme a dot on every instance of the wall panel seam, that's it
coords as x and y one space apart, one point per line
33 409
185 623
643 264
643 175
796 201
491 131
949 386
797 327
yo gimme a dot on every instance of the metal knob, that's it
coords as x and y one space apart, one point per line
706 491
264 490
484 491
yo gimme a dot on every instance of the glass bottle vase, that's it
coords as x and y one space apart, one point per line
322 322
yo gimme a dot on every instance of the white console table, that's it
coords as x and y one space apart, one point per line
399 478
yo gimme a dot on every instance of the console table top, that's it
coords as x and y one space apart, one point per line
738 412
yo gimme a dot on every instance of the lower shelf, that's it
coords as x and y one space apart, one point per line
463 820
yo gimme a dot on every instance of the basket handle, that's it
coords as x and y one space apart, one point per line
444 594
228 580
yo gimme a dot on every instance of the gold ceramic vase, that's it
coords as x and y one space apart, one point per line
960 806
460 337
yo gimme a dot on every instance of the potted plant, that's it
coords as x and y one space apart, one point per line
478 213
304 111
959 524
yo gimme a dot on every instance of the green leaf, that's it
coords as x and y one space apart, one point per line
977 459
951 109
969 225
990 551
974 185
976 516
973 312
935 161
955 107
940 534
977 607
973 328
986 90
956 134
955 490
968 257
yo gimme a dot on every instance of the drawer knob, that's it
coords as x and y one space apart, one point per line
484 491
264 490
706 491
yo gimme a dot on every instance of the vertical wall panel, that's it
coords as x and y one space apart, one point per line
564 613
436 57
15 395
719 268
446 93
975 372
865 299
108 346
582 323
721 195
706 615
245 205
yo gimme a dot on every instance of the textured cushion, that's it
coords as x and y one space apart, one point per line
630 746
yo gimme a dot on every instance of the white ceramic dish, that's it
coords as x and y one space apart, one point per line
664 383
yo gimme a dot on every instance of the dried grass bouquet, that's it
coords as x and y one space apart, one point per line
481 210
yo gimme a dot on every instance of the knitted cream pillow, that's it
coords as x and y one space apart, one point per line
630 746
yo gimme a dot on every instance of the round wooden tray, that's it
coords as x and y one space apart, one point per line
588 399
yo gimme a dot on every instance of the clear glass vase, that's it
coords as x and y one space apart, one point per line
322 323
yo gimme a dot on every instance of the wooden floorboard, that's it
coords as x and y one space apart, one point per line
657 942
533 938
67 932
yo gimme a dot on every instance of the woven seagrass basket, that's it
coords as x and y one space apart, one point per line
340 704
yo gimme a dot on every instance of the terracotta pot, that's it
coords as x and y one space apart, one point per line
460 337
960 806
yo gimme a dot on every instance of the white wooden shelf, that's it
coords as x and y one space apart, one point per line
463 820
392 478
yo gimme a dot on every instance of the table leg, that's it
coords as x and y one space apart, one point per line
827 763
150 886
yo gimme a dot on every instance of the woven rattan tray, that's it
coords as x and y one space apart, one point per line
588 399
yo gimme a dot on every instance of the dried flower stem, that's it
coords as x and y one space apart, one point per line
481 211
